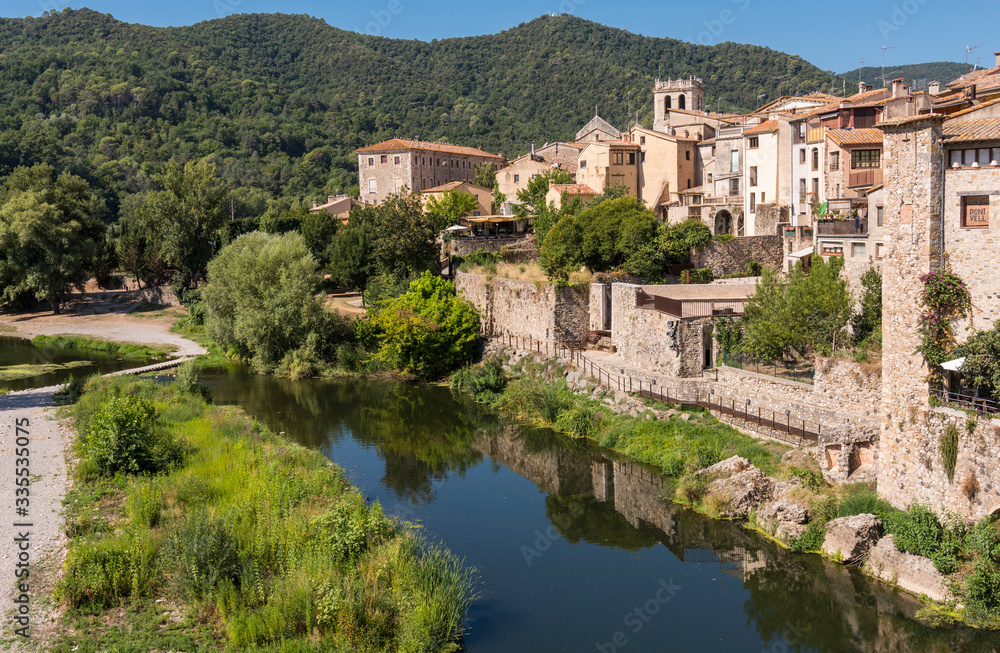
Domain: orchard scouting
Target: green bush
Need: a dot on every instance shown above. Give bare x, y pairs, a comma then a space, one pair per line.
949, 450
123, 438
485, 382
201, 551
187, 381
103, 572
579, 420
919, 532
811, 540
700, 275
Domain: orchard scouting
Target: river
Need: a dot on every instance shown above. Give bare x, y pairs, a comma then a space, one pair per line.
19, 351
576, 548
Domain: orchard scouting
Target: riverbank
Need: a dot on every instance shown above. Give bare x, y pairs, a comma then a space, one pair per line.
247, 541
780, 492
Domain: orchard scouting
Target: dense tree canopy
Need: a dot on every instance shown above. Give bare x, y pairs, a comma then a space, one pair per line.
279, 103
50, 230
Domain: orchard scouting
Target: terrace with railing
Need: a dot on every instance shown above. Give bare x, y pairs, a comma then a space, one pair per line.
845, 228
689, 307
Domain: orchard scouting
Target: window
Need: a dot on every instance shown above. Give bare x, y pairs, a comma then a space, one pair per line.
371, 161
734, 161
689, 183
423, 160
583, 164
371, 186
710, 177
816, 187
802, 137
666, 103
802, 155
762, 200
384, 158
754, 142
832, 249
687, 155
834, 160
616, 157
631, 158
879, 251
753, 175
976, 211
857, 249
734, 186
642, 157
713, 150
879, 214
815, 159
642, 140
681, 100
753, 202
865, 159
802, 189
396, 160
517, 178
983, 156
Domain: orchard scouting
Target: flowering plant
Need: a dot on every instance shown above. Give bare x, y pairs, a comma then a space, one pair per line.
945, 298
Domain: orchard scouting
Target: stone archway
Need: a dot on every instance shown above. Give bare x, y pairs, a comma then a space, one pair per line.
723, 222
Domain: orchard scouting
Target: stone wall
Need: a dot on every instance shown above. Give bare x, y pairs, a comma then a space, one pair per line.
642, 336
732, 257
913, 161
768, 217
462, 246
527, 308
597, 308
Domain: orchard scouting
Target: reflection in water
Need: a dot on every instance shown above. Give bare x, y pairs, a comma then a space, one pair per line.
18, 351
593, 498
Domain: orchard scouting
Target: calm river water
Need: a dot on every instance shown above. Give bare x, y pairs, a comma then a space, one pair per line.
18, 351
577, 551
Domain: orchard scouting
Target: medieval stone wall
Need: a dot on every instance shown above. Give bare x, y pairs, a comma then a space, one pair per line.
526, 308
732, 257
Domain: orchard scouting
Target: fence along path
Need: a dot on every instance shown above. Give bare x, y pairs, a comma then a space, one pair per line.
798, 431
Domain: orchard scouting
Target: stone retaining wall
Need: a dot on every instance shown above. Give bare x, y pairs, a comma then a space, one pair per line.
732, 257
527, 308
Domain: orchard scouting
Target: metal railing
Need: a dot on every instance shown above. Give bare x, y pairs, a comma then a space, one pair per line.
797, 429
981, 405
683, 308
794, 371
849, 227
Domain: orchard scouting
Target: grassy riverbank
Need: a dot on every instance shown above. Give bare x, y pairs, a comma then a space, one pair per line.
690, 439
126, 350
193, 527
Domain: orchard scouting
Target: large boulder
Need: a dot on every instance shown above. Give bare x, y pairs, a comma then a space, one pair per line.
852, 537
742, 492
787, 531
727, 467
911, 572
783, 510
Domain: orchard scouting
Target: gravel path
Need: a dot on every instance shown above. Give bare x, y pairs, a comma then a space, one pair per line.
38, 546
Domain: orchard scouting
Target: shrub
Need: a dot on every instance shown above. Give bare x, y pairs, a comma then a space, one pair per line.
949, 450
485, 382
579, 420
187, 381
700, 275
202, 551
123, 437
919, 532
811, 540
103, 572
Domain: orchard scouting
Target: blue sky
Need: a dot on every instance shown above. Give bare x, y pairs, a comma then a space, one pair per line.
830, 35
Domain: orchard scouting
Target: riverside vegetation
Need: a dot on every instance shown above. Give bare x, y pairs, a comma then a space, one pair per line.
206, 531
969, 555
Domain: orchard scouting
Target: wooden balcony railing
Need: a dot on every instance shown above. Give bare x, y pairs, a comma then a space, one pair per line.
870, 177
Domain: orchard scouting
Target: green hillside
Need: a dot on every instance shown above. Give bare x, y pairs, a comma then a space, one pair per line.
942, 71
279, 102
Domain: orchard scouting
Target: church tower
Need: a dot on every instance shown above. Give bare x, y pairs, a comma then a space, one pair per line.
684, 94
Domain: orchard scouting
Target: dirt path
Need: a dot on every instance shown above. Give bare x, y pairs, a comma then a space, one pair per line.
32, 533
47, 440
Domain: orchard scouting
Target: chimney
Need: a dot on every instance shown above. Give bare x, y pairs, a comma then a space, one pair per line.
899, 89
315, 204
330, 198
863, 88
973, 92
934, 88
532, 150
997, 55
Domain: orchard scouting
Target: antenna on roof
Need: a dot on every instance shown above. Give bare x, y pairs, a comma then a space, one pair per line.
884, 48
968, 49
861, 62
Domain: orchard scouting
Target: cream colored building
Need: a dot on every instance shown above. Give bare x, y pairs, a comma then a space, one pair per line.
606, 163
338, 205
484, 196
668, 165
515, 177
391, 166
598, 129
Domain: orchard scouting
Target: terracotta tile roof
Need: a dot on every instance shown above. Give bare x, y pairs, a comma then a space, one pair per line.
405, 144
895, 122
867, 95
707, 141
855, 136
451, 185
973, 109
573, 189
762, 128
971, 78
972, 130
696, 190
616, 143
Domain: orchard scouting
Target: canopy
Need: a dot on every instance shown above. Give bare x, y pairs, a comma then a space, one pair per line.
802, 253
955, 365
457, 227
493, 219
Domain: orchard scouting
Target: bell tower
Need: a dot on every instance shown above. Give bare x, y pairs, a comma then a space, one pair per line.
684, 94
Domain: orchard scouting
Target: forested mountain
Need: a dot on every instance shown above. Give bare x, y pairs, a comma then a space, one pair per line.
280, 102
942, 71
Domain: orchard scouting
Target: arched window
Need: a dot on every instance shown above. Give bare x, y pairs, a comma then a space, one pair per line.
680, 102
666, 103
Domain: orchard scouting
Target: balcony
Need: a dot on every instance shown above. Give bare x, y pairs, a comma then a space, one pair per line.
843, 228
688, 308
870, 177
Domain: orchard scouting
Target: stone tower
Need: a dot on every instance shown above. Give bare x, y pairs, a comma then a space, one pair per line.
686, 94
913, 164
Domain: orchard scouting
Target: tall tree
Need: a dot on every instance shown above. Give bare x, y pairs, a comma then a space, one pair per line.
50, 228
452, 206
188, 212
486, 176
